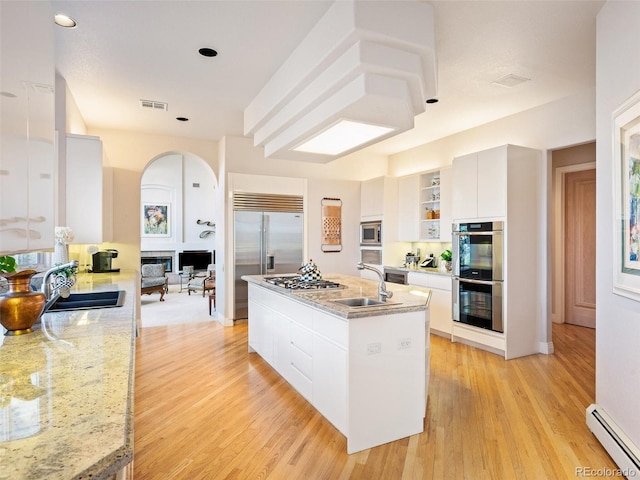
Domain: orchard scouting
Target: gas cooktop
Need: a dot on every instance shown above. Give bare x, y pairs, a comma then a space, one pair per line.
294, 282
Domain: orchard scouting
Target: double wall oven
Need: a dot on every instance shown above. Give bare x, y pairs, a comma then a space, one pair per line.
478, 274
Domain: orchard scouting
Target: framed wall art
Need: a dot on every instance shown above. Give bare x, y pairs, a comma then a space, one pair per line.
626, 189
155, 219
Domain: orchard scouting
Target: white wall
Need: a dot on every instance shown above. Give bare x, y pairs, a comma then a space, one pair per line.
617, 318
129, 153
343, 262
569, 121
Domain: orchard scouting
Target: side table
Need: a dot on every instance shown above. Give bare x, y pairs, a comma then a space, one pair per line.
187, 275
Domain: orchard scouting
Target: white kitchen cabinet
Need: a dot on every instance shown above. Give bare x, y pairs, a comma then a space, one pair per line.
330, 381
27, 132
372, 198
492, 182
509, 187
379, 201
440, 310
88, 190
409, 208
480, 181
464, 195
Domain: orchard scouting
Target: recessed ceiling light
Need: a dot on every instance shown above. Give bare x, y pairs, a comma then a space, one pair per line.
64, 20
182, 119
207, 52
432, 100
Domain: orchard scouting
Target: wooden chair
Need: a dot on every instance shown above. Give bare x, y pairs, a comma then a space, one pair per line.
203, 282
154, 279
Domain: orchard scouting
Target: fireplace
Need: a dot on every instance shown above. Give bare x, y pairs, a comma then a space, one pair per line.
156, 257
199, 259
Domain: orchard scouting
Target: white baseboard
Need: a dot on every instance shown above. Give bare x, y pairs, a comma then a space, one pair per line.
546, 348
615, 441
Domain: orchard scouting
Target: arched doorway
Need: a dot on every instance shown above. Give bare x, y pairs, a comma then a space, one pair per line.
178, 215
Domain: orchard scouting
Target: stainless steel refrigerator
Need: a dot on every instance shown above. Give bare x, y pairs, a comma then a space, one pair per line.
265, 243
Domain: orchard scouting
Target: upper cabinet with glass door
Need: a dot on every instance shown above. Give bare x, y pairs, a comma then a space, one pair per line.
27, 126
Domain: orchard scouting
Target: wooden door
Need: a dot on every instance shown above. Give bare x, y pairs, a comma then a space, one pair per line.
580, 248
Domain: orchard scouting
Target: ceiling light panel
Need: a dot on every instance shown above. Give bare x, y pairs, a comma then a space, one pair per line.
371, 62
342, 137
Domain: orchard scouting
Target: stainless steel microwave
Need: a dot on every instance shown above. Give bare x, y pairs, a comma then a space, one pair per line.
371, 234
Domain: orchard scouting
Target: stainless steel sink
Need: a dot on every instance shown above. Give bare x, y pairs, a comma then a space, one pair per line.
88, 300
361, 302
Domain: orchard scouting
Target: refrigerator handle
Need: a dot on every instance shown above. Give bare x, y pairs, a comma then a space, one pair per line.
263, 269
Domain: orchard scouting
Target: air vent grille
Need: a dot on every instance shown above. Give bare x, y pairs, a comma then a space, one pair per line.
153, 105
268, 202
511, 80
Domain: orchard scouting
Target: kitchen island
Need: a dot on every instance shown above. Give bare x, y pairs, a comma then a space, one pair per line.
365, 369
67, 390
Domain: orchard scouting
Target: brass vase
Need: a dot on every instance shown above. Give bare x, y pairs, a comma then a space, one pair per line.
20, 307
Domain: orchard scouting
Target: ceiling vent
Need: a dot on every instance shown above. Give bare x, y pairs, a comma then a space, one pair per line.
153, 105
511, 80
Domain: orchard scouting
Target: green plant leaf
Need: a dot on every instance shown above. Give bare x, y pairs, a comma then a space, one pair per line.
7, 264
446, 255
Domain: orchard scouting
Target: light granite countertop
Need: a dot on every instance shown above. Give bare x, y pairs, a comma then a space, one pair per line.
433, 271
66, 409
406, 298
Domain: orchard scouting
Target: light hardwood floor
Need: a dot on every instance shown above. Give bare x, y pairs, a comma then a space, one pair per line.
207, 409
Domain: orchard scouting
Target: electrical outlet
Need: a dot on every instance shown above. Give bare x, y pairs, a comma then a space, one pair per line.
404, 343
374, 348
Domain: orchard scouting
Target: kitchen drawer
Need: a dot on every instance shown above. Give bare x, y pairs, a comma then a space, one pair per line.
301, 383
302, 338
301, 362
296, 311
330, 327
441, 282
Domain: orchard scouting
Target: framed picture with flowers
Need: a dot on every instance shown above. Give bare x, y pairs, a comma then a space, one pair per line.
155, 220
626, 190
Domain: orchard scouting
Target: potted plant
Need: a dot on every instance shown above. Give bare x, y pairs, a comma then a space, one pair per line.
65, 277
19, 307
447, 256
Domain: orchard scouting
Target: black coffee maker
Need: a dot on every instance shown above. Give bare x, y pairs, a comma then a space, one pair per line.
102, 261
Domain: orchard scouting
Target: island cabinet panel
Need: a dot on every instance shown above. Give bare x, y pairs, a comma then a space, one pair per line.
367, 375
330, 381
262, 330
386, 374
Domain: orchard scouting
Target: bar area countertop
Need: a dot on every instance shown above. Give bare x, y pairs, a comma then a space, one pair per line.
406, 298
66, 404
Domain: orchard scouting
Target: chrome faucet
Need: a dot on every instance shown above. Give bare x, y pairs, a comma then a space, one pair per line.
46, 286
383, 294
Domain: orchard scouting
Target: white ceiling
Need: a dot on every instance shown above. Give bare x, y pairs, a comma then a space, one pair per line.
124, 51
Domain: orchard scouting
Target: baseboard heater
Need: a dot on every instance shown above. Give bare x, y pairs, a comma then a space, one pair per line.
616, 443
